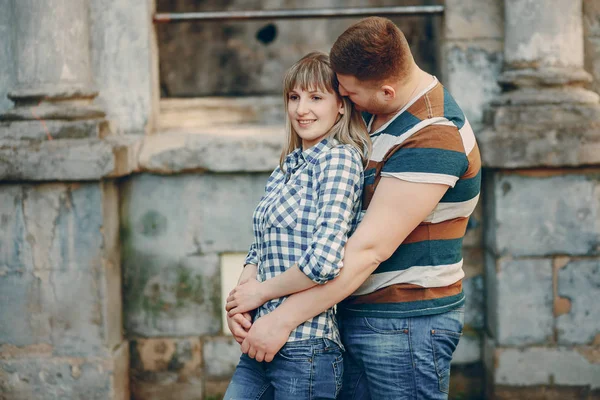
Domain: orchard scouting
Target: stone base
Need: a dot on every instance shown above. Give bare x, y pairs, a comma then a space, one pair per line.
467, 382
166, 368
59, 378
544, 393
541, 135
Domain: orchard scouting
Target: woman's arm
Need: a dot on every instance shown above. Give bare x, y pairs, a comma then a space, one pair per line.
252, 294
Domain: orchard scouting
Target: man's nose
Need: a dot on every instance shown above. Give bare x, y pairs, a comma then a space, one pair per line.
343, 91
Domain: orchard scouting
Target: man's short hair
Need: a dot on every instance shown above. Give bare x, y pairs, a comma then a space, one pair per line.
373, 49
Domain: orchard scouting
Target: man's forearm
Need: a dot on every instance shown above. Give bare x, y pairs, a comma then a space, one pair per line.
300, 307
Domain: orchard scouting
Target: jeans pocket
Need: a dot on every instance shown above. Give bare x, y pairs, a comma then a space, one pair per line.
444, 343
386, 326
296, 353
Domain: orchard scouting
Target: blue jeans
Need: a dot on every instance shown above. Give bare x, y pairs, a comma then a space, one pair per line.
399, 358
306, 369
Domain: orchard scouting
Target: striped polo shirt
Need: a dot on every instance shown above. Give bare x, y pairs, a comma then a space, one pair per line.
428, 141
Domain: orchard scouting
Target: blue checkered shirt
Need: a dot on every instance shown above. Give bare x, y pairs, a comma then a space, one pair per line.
304, 218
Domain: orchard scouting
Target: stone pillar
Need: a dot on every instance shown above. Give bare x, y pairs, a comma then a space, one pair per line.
60, 275
542, 210
52, 52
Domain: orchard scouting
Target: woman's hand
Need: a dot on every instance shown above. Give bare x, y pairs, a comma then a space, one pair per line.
239, 325
245, 297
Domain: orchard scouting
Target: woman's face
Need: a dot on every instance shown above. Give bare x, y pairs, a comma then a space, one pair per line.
312, 114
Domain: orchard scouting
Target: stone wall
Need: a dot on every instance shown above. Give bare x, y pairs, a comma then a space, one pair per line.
117, 219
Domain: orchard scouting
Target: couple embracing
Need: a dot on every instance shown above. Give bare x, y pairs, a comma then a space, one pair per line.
367, 211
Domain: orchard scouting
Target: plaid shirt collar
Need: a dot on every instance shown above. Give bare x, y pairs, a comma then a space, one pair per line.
298, 157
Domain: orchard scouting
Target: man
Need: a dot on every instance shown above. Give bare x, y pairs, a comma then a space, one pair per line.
403, 265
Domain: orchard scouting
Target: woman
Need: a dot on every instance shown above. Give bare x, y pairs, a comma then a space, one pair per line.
301, 225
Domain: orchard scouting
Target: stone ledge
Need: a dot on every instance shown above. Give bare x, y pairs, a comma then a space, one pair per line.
541, 135
207, 112
247, 148
65, 159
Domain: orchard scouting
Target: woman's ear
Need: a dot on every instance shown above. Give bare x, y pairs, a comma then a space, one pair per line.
342, 109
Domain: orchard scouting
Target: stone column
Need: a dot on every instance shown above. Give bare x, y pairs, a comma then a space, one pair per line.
60, 275
542, 210
52, 52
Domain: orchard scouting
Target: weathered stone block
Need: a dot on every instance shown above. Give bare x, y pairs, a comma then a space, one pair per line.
207, 112
532, 215
172, 228
190, 214
544, 135
65, 159
50, 130
545, 366
230, 149
166, 368
168, 296
66, 378
51, 226
121, 59
471, 75
60, 308
553, 392
473, 19
59, 271
544, 38
527, 318
579, 283
221, 356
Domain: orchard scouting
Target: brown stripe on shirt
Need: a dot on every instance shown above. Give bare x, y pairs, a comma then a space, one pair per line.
445, 230
436, 137
405, 292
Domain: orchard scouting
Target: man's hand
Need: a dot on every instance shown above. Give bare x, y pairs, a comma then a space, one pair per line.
245, 297
239, 324
265, 338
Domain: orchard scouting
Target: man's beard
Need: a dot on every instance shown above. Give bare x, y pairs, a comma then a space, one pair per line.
375, 106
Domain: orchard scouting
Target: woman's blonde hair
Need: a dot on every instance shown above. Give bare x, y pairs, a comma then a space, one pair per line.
313, 72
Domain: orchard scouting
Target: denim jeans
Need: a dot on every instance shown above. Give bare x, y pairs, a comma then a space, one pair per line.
399, 358
306, 369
